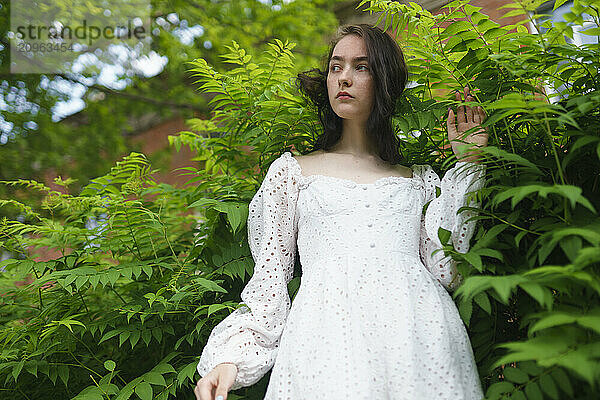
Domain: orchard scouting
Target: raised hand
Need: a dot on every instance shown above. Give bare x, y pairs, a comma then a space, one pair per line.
468, 117
216, 384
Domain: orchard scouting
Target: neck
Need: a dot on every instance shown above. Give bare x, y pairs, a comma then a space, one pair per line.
354, 139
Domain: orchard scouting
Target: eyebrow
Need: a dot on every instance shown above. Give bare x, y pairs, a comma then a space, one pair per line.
355, 59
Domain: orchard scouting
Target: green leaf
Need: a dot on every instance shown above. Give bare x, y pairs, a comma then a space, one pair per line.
444, 235
474, 259
498, 388
144, 391
80, 281
146, 336
110, 365
147, 270
457, 27
134, 338
541, 294
109, 335
517, 194
236, 213
32, 368
157, 333
123, 336
514, 158
483, 301
164, 368
465, 310
533, 391
560, 349
553, 319
548, 386
128, 390
513, 13
113, 276
154, 378
518, 395
591, 31
571, 245
563, 381
209, 285
186, 373
90, 393
17, 369
63, 373
515, 375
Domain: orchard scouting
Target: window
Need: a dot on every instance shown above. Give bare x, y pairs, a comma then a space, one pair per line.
97, 225
562, 14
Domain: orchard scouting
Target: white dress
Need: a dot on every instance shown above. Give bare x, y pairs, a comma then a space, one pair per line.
373, 318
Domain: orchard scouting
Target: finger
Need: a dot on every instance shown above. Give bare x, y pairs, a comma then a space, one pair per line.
197, 392
482, 113
451, 124
461, 110
221, 391
450, 114
477, 116
469, 109
203, 392
451, 121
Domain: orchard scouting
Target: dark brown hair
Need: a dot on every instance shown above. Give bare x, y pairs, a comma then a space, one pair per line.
390, 74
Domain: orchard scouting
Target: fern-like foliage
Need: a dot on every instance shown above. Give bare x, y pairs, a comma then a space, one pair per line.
142, 271
531, 299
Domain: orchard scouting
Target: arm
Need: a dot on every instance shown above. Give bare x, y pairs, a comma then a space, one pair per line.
463, 178
249, 336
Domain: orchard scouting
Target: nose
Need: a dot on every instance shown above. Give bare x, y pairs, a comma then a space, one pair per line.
344, 77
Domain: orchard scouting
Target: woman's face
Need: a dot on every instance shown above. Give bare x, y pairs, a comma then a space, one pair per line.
349, 71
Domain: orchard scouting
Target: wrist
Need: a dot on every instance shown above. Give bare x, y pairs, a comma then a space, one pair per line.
471, 155
232, 363
470, 159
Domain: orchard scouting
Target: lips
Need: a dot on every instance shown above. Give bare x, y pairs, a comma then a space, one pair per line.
343, 94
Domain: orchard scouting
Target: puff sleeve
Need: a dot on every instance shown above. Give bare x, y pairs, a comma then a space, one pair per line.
249, 336
457, 183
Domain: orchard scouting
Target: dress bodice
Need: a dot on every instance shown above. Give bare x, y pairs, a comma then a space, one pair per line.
337, 216
358, 242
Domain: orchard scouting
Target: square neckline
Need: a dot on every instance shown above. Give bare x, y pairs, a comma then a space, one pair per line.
349, 182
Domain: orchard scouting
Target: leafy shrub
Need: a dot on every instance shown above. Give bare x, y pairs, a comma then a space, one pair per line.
531, 296
125, 308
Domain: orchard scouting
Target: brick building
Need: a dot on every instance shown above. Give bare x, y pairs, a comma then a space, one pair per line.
347, 12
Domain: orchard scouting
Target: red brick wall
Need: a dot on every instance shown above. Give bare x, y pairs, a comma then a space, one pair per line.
156, 139
492, 9
150, 141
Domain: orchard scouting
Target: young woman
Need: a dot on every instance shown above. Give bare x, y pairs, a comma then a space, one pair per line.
373, 318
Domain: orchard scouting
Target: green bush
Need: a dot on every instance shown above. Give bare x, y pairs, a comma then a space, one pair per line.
126, 307
531, 296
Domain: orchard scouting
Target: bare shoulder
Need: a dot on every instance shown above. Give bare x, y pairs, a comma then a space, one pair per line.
308, 162
309, 156
402, 170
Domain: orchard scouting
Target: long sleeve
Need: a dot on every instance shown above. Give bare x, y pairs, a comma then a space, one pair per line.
249, 336
457, 183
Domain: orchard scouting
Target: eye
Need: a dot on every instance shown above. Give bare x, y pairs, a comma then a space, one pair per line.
333, 67
362, 65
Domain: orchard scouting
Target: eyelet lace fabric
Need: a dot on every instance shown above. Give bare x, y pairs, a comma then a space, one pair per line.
373, 318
